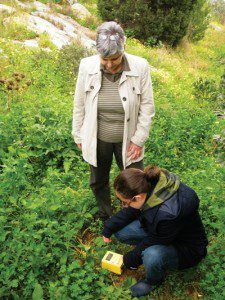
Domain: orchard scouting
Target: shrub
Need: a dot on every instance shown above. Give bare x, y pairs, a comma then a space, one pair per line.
221, 95
68, 62
206, 90
219, 142
16, 82
199, 22
159, 21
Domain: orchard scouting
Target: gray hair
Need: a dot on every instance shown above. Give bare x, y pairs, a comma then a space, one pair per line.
110, 39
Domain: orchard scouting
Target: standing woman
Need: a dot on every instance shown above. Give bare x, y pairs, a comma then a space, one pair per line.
113, 110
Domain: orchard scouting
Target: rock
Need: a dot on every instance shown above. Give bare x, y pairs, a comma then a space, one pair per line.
39, 26
216, 137
70, 28
220, 113
7, 8
71, 2
39, 6
217, 28
56, 35
61, 32
31, 43
81, 29
62, 29
81, 11
22, 5
28, 43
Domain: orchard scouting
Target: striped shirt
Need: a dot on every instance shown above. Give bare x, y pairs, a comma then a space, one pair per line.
110, 108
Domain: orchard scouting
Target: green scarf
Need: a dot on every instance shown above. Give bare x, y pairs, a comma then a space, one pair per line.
167, 185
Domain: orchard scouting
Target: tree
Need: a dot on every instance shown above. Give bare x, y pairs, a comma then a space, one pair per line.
199, 21
155, 20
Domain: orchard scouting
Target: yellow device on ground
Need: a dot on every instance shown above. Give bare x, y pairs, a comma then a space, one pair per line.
113, 262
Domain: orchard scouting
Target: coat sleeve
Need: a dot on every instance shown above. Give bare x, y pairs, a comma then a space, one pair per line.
146, 110
124, 217
166, 233
78, 109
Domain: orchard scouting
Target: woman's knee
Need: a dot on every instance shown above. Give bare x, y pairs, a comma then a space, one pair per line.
130, 234
121, 236
153, 256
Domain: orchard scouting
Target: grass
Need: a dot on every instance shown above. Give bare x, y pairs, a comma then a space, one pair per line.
44, 41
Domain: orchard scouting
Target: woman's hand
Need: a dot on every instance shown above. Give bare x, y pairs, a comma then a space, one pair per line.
79, 146
107, 240
134, 151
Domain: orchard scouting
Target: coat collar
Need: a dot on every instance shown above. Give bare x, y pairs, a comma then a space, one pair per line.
132, 72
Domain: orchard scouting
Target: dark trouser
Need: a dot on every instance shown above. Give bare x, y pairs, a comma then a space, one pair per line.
99, 178
156, 258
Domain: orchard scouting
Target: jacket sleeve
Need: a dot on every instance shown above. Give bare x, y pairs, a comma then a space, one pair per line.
146, 110
78, 109
166, 233
124, 217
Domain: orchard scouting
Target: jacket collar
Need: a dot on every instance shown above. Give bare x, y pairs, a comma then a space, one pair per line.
132, 72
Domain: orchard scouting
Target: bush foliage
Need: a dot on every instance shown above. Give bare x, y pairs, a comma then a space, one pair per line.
155, 21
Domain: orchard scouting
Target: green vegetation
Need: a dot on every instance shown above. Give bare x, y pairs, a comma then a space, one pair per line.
218, 7
199, 21
16, 31
164, 21
44, 41
50, 246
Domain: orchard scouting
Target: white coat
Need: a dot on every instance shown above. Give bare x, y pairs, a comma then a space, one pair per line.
135, 89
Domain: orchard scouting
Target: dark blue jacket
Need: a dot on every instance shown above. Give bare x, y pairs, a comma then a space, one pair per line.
176, 221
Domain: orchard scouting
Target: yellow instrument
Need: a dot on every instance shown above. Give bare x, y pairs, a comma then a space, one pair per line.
113, 262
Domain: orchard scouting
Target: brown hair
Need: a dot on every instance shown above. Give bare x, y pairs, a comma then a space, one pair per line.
131, 182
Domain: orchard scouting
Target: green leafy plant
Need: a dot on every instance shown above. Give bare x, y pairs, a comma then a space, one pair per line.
16, 82
157, 21
205, 90
18, 31
45, 41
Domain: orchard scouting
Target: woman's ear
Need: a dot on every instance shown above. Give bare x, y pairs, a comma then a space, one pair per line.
137, 198
140, 197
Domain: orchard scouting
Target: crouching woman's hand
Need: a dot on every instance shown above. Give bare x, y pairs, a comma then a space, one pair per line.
107, 240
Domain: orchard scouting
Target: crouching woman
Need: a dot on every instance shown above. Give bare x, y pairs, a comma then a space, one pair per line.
160, 216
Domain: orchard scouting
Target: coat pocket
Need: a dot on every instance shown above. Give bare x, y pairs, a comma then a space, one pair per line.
136, 95
90, 90
136, 85
136, 89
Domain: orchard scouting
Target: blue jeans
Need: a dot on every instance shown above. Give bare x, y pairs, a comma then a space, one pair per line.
156, 259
